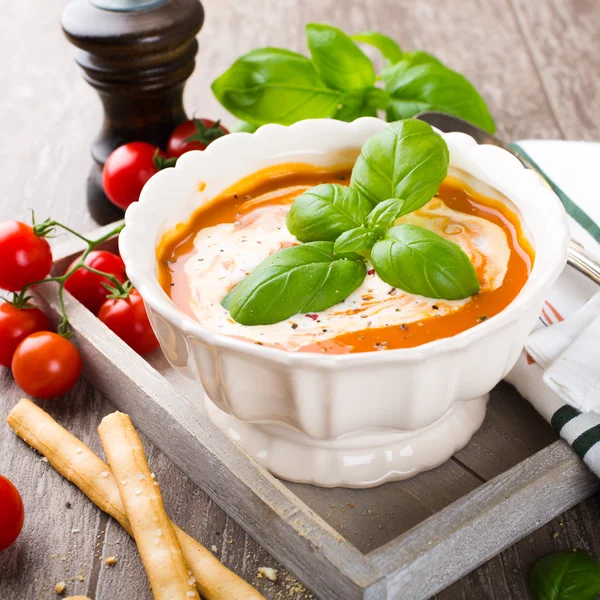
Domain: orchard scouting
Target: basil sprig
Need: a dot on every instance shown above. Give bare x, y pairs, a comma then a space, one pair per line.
272, 85
399, 170
566, 576
301, 279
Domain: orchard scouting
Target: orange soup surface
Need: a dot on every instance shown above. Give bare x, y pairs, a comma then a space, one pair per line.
202, 259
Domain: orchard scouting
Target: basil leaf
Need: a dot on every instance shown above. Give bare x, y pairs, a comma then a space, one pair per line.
422, 86
325, 211
341, 64
300, 279
271, 85
566, 576
383, 216
356, 104
354, 240
406, 160
420, 57
421, 262
243, 126
386, 45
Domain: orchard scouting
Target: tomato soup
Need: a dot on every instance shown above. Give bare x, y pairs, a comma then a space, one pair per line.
201, 260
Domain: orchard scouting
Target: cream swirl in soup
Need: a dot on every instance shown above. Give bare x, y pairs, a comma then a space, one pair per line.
232, 235
226, 253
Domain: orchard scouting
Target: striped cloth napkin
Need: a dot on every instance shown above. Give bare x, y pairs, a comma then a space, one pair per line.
559, 369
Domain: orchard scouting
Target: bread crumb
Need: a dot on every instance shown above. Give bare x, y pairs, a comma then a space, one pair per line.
214, 548
60, 587
268, 572
111, 561
80, 578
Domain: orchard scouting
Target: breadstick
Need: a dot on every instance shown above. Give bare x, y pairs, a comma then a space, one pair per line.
77, 463
152, 531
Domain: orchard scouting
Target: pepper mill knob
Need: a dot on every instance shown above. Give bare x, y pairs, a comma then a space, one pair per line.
137, 54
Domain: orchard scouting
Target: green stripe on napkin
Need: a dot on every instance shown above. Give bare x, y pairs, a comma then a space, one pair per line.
586, 440
573, 210
562, 416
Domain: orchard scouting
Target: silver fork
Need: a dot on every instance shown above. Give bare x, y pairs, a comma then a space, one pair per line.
577, 256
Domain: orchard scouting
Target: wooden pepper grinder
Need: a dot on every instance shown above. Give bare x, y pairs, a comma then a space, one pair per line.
138, 55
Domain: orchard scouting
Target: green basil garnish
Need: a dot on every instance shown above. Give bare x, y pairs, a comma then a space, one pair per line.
429, 85
354, 105
386, 45
419, 57
566, 576
325, 211
243, 126
271, 85
406, 160
274, 86
398, 171
341, 64
383, 216
354, 240
421, 262
301, 279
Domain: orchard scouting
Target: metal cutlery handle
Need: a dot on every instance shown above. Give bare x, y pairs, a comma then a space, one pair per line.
583, 261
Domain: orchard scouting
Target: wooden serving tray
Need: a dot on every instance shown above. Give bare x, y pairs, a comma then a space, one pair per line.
407, 539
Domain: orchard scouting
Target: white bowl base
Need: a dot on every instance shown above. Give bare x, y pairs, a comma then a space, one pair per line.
360, 460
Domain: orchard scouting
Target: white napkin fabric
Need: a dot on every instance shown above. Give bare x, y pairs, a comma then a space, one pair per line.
559, 369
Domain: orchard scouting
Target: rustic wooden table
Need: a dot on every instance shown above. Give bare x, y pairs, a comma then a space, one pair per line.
536, 63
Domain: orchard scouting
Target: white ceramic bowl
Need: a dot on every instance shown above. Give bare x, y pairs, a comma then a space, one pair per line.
323, 397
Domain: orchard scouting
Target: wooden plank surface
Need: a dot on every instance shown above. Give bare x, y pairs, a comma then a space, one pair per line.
536, 64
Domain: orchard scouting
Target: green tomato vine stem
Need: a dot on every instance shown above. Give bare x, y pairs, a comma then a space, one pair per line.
45, 229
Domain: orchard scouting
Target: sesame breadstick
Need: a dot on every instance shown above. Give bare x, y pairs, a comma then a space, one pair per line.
77, 463
153, 533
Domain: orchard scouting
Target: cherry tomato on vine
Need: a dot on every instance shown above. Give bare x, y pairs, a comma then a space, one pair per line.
24, 256
46, 365
15, 325
127, 318
87, 286
12, 513
127, 170
194, 135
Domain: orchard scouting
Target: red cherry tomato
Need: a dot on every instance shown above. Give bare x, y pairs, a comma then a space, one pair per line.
46, 365
15, 325
194, 135
127, 170
129, 320
24, 256
12, 513
87, 286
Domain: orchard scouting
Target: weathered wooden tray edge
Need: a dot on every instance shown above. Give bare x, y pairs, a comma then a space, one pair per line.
417, 564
